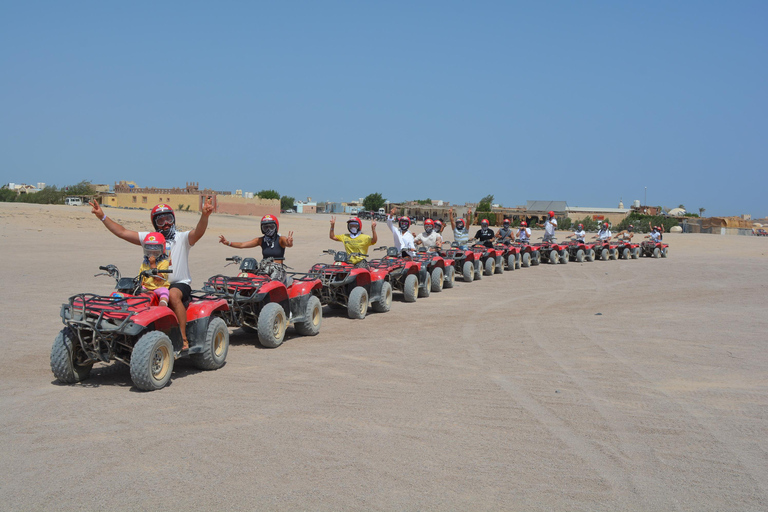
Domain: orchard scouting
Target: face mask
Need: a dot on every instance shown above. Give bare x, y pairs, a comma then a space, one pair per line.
353, 228
460, 224
403, 227
169, 233
428, 229
269, 230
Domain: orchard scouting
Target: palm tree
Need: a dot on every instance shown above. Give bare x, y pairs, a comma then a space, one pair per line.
701, 211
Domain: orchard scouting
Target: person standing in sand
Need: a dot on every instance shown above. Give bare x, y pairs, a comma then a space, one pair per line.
178, 245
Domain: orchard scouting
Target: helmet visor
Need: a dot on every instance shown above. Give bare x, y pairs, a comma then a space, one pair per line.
353, 227
164, 220
269, 228
155, 250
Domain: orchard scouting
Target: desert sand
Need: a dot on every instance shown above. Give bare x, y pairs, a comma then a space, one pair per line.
619, 385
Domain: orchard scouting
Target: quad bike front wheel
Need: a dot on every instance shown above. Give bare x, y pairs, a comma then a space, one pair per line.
564, 256
426, 288
313, 317
499, 264
450, 276
526, 259
358, 303
656, 253
580, 256
478, 270
152, 361
625, 253
271, 325
553, 257
215, 347
67, 360
385, 299
490, 266
511, 262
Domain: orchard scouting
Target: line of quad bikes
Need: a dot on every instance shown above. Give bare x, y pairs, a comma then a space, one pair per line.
264, 299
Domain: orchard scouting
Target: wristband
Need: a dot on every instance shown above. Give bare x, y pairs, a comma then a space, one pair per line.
230, 244
104, 218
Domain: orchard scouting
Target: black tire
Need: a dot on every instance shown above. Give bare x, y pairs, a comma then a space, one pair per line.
411, 288
664, 252
490, 266
625, 253
215, 347
152, 361
478, 270
358, 303
63, 356
553, 257
384, 303
499, 264
604, 254
635, 253
511, 261
271, 326
450, 277
313, 317
536, 258
564, 256
468, 271
580, 256
526, 259
517, 261
591, 255
426, 288
656, 252
437, 279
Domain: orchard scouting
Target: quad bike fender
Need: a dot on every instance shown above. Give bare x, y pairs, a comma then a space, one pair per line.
448, 262
299, 289
412, 267
275, 290
362, 277
378, 276
205, 308
163, 318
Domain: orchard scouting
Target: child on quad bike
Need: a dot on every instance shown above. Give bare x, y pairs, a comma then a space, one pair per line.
460, 229
177, 244
272, 243
579, 233
549, 227
404, 241
485, 235
505, 232
604, 235
155, 258
524, 233
430, 238
356, 241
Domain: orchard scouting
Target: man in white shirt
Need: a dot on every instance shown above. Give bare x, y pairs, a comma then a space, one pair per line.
579, 233
430, 238
177, 246
524, 233
604, 234
403, 238
549, 228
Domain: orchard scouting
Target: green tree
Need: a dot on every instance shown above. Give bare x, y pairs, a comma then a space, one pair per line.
565, 224
484, 210
373, 202
427, 201
268, 194
287, 202
701, 211
84, 188
7, 195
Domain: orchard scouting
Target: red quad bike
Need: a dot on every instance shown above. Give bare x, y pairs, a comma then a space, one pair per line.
626, 249
486, 259
441, 270
260, 302
463, 261
579, 251
348, 286
510, 255
605, 250
529, 254
651, 249
409, 277
130, 327
552, 252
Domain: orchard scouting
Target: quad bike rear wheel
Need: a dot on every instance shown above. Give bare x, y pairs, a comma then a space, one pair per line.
604, 255
490, 266
357, 307
450, 276
499, 264
511, 261
65, 354
656, 252
625, 253
478, 270
411, 288
384, 303
152, 361
564, 256
313, 317
614, 254
426, 288
468, 271
526, 259
271, 325
536, 258
553, 257
437, 279
580, 256
215, 346
664, 252
635, 253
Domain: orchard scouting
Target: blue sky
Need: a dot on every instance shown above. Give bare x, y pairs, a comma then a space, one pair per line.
586, 102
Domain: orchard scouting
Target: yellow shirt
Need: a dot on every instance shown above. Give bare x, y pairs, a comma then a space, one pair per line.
360, 244
152, 282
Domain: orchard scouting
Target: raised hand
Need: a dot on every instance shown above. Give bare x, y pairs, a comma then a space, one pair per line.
208, 207
289, 238
333, 221
223, 240
373, 225
96, 209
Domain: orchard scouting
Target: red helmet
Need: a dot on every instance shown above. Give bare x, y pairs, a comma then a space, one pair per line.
401, 220
551, 214
438, 222
352, 220
581, 226
506, 222
484, 222
269, 219
605, 225
524, 224
162, 213
429, 222
154, 244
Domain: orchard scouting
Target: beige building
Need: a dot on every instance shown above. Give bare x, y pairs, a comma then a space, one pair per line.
190, 198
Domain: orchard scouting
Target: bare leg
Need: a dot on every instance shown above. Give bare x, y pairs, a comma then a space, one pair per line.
181, 314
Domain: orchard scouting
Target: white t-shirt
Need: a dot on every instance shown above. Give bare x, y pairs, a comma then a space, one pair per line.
603, 234
655, 236
549, 227
524, 234
403, 241
178, 249
430, 240
580, 235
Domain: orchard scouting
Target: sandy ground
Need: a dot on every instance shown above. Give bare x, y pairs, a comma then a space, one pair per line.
511, 393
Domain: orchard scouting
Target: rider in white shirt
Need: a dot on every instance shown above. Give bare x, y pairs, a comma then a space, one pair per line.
605, 233
579, 233
403, 238
524, 233
549, 228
